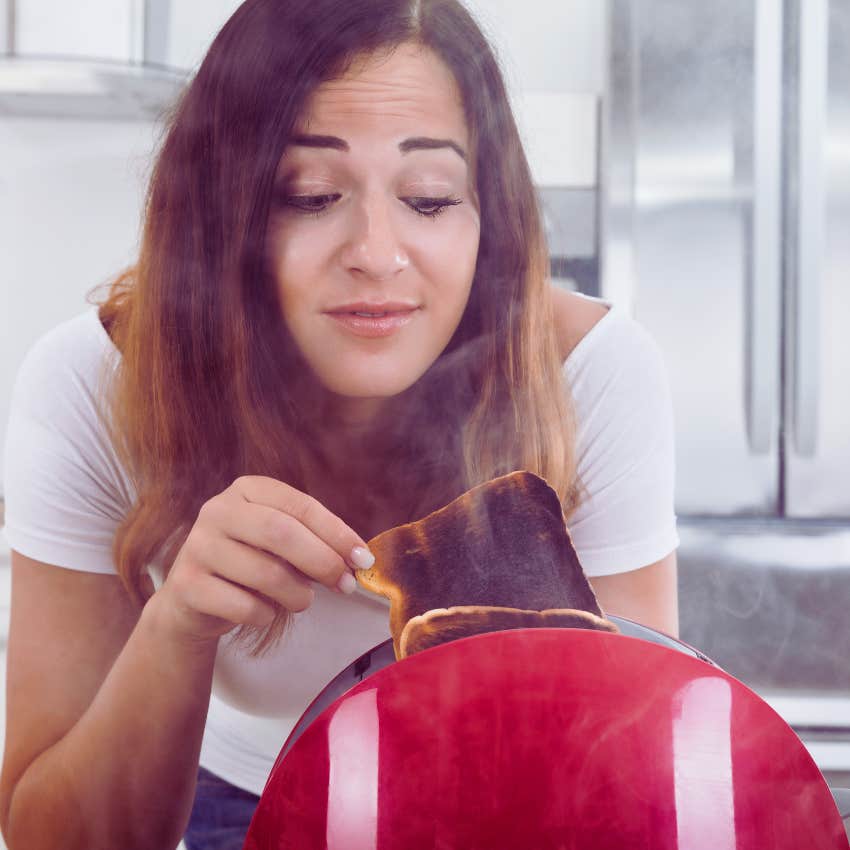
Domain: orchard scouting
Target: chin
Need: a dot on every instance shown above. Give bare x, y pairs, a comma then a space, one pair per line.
371, 383
368, 389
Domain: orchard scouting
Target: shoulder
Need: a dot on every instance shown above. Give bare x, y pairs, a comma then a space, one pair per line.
616, 375
65, 488
625, 447
603, 345
61, 363
574, 317
56, 407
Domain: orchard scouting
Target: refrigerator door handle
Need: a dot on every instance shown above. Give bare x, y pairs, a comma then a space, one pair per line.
762, 367
804, 320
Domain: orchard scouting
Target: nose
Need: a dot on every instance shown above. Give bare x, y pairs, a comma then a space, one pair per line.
374, 247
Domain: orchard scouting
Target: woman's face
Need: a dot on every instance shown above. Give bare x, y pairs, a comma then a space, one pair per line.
375, 213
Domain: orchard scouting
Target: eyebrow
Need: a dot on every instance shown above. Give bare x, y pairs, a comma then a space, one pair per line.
414, 144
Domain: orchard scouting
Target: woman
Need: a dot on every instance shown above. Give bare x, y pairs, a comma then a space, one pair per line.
339, 321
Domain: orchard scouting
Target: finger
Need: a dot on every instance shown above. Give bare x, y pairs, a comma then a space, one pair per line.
311, 513
280, 535
262, 573
217, 597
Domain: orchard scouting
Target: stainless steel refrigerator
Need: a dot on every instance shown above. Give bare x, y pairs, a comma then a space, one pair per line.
724, 225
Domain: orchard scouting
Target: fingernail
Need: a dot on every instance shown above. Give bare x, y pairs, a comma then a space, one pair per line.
347, 583
362, 558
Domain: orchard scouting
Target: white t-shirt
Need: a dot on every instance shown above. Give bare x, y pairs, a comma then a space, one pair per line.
66, 493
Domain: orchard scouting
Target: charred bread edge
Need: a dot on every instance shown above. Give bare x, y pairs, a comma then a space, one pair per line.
413, 623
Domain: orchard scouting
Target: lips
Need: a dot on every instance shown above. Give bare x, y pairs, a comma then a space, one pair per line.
373, 320
373, 308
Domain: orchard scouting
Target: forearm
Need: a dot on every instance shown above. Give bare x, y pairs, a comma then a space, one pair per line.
648, 595
124, 775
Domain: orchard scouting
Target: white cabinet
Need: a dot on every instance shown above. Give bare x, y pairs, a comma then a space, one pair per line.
84, 29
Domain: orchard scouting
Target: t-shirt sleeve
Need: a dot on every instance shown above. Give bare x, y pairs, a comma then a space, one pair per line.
63, 501
625, 450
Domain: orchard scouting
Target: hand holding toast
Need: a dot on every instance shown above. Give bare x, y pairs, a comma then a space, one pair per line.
258, 545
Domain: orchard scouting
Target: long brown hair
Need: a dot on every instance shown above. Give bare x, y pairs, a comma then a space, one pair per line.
200, 394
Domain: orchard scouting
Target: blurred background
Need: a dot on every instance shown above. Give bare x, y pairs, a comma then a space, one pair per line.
693, 163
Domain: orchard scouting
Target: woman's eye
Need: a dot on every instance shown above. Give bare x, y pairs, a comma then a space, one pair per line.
317, 204
313, 204
432, 207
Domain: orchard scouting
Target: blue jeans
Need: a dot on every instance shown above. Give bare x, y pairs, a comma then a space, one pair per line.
220, 815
